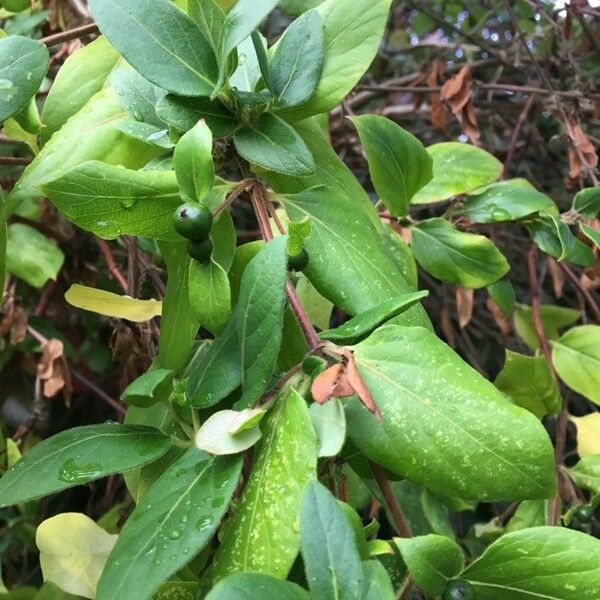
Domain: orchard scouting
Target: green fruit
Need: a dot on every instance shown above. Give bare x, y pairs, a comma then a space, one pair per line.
459, 590
584, 513
298, 262
200, 250
193, 221
15, 6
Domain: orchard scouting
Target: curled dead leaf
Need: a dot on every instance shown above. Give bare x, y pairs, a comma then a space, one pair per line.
360, 387
464, 306
456, 92
331, 383
437, 116
582, 154
52, 369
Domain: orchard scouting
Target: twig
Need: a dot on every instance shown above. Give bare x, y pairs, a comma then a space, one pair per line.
14, 160
585, 292
113, 269
243, 186
71, 34
100, 393
515, 135
400, 521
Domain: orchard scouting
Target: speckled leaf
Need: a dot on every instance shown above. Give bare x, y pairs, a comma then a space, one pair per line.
252, 586
176, 518
527, 381
469, 260
457, 169
550, 563
445, 426
329, 551
431, 560
576, 356
80, 455
262, 534
347, 264
111, 201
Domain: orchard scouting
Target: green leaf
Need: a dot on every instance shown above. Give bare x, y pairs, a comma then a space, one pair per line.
503, 294
353, 32
553, 318
552, 563
358, 328
160, 42
248, 71
111, 201
209, 17
552, 235
31, 256
576, 357
272, 144
317, 307
345, 248
149, 388
177, 518
249, 586
82, 75
297, 7
230, 431
23, 65
466, 259
329, 423
78, 456
146, 133
297, 63
401, 255
531, 513
457, 169
193, 162
262, 534
94, 132
432, 560
590, 233
398, 162
223, 232
73, 552
587, 202
509, 200
329, 551
210, 296
376, 583
586, 473
260, 317
527, 381
183, 113
444, 426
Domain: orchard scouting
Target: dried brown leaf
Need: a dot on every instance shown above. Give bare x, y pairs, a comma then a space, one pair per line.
582, 154
456, 92
464, 306
331, 383
356, 381
503, 322
557, 277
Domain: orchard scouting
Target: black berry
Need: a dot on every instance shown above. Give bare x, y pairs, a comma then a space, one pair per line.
584, 513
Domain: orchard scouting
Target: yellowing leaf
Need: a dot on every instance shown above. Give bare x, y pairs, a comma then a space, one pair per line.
588, 434
112, 305
73, 550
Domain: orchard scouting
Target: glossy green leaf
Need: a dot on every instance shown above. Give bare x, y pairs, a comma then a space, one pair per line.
250, 586
297, 63
262, 534
466, 259
509, 200
272, 144
576, 357
210, 296
317, 307
176, 518
353, 32
329, 551
149, 388
586, 473
401, 255
552, 235
527, 381
329, 423
209, 17
193, 162
552, 563
432, 560
587, 202
553, 318
31, 256
94, 132
73, 552
343, 249
146, 133
248, 72
77, 456
376, 583
503, 294
530, 513
457, 169
82, 75
143, 33
23, 65
260, 317
590, 233
359, 327
111, 201
297, 7
223, 233
398, 162
230, 431
183, 113
463, 438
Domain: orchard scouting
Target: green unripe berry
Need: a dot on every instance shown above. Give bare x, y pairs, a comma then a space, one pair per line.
193, 221
459, 590
200, 250
298, 262
584, 513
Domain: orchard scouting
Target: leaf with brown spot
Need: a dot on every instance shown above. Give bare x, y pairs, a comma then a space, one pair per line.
360, 387
464, 305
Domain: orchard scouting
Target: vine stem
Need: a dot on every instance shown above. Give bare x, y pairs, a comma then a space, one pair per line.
563, 416
383, 482
71, 34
